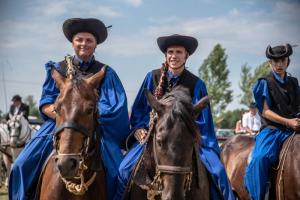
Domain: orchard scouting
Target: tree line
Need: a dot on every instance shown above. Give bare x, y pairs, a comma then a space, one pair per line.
214, 72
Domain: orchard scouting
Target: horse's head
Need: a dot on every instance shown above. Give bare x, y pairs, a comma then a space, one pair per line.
175, 134
14, 124
76, 120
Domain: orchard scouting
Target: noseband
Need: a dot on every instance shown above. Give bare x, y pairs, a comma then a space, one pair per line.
82, 187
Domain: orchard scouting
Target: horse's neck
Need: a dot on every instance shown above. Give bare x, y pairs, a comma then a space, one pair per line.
4, 134
25, 128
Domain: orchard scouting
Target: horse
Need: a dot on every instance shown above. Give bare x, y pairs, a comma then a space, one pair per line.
170, 167
14, 135
74, 170
285, 181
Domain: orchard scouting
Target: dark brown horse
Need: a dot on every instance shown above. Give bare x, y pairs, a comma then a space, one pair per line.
170, 168
285, 177
73, 171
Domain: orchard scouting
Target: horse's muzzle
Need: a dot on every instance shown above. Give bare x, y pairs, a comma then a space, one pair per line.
67, 165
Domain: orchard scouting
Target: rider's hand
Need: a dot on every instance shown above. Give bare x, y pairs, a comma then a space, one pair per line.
293, 123
140, 134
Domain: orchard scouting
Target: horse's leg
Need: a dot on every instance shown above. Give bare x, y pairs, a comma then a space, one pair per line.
2, 170
8, 164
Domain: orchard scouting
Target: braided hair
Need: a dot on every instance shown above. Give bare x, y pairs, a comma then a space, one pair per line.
163, 82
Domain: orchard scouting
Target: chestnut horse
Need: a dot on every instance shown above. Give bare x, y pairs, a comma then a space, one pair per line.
285, 177
72, 171
170, 168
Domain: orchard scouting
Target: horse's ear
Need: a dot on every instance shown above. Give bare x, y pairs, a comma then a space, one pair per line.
154, 103
96, 79
200, 105
59, 79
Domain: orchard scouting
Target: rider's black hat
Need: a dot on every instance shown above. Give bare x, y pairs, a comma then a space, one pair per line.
91, 25
188, 42
278, 52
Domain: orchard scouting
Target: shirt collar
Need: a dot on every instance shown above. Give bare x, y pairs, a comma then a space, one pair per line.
83, 65
279, 79
172, 76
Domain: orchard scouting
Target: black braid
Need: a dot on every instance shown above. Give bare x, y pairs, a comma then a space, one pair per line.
163, 82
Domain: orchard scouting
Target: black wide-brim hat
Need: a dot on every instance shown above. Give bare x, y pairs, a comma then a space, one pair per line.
278, 52
188, 42
90, 25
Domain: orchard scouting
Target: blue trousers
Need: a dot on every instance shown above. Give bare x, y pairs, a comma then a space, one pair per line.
208, 156
265, 154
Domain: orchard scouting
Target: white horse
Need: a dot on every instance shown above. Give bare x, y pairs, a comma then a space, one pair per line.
14, 136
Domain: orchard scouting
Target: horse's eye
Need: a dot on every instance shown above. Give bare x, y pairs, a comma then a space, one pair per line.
57, 110
159, 142
89, 110
160, 129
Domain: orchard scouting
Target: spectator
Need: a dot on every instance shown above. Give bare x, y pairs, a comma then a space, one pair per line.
251, 120
17, 107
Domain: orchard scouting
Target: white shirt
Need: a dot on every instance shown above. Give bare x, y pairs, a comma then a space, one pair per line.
253, 122
16, 110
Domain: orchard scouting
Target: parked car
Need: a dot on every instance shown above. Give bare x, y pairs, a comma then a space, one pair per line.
224, 134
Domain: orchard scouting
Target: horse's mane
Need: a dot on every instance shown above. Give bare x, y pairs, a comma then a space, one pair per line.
181, 107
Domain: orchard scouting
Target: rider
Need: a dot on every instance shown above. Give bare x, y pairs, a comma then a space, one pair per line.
17, 107
251, 120
176, 48
278, 99
85, 35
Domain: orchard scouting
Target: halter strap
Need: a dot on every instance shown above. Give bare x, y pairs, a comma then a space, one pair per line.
73, 125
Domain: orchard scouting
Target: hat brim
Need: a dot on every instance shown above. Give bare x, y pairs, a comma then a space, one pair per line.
188, 42
91, 25
279, 51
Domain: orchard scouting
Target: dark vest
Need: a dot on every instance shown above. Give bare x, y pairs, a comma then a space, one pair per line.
93, 68
285, 100
186, 79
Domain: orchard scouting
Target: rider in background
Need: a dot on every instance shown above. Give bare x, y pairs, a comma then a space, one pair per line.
251, 120
277, 96
176, 49
85, 35
17, 107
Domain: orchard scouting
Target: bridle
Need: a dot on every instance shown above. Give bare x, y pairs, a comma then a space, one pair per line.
156, 186
16, 130
82, 187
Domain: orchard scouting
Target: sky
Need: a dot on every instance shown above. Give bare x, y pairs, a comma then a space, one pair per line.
31, 35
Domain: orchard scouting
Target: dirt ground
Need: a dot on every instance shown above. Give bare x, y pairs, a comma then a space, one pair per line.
3, 194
